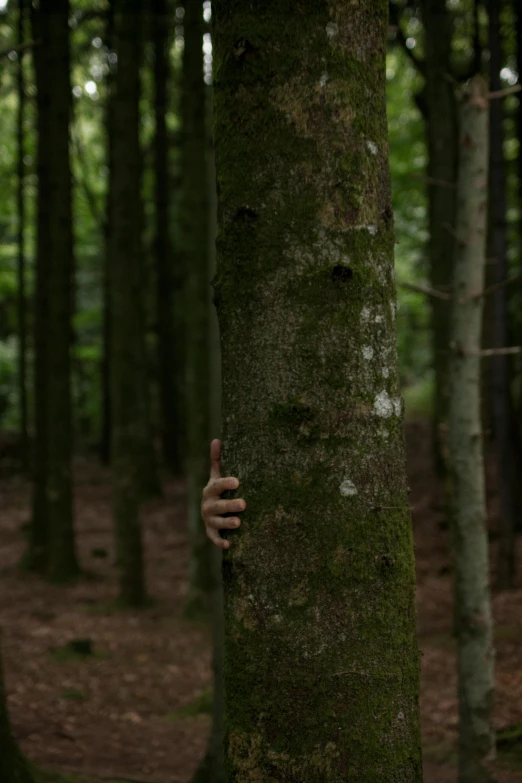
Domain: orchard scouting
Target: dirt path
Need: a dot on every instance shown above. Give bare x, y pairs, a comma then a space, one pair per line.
125, 711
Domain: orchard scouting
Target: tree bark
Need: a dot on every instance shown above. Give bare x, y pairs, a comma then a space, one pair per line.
128, 414
442, 142
21, 276
52, 535
501, 403
13, 767
198, 292
321, 661
473, 605
211, 769
168, 339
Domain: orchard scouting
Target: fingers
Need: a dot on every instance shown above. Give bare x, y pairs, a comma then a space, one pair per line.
217, 507
215, 459
217, 486
223, 523
216, 539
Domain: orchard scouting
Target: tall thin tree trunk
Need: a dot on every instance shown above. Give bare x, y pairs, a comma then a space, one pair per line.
472, 596
198, 292
168, 339
211, 769
52, 535
13, 767
321, 660
501, 404
21, 287
442, 142
105, 439
128, 415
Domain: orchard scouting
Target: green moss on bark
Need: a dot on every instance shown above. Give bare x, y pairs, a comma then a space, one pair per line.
321, 663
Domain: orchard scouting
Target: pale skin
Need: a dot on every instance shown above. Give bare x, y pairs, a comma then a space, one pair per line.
212, 504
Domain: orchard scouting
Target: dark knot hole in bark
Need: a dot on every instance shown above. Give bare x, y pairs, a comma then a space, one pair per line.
341, 274
246, 215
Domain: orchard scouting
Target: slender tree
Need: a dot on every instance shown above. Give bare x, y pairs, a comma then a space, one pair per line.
128, 414
21, 276
198, 291
168, 338
321, 660
52, 533
13, 766
442, 143
105, 439
473, 605
211, 768
501, 403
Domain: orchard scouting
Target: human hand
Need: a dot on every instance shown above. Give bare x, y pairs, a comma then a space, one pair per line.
213, 506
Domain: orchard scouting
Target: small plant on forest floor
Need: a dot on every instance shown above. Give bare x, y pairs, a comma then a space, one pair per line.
202, 705
74, 695
77, 650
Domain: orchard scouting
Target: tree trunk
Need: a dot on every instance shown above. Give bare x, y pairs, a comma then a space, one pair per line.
473, 606
21, 287
168, 339
442, 142
13, 767
321, 661
128, 414
211, 769
105, 439
53, 533
198, 291
501, 404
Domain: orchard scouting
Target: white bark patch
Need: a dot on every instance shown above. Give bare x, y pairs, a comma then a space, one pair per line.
372, 146
385, 372
347, 488
378, 319
386, 406
393, 308
370, 229
323, 79
332, 29
365, 314
367, 352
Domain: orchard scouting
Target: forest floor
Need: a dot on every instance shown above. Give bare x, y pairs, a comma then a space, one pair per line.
102, 694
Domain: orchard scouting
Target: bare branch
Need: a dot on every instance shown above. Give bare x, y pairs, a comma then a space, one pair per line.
424, 289
442, 183
490, 289
501, 351
502, 93
19, 48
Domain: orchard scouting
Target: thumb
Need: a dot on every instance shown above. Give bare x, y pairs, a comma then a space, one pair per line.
215, 459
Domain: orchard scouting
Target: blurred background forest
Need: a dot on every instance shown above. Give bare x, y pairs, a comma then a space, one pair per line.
107, 231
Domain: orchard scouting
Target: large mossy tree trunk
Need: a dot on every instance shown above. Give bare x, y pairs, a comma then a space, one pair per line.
472, 595
501, 403
20, 268
167, 337
13, 766
442, 144
321, 661
128, 413
195, 219
52, 534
